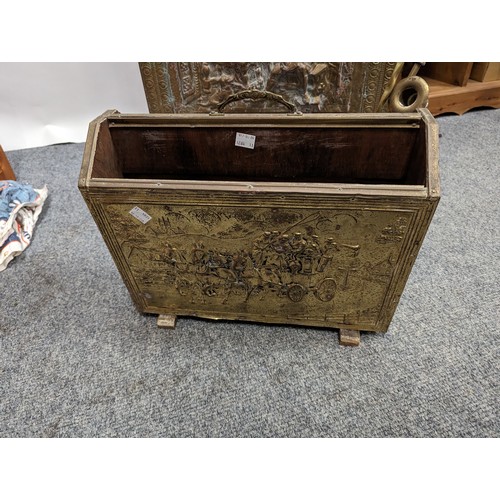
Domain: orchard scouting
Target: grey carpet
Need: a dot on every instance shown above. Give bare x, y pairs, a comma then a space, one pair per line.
77, 360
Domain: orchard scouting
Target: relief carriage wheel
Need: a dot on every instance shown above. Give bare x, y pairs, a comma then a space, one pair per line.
296, 292
325, 290
183, 286
239, 288
209, 290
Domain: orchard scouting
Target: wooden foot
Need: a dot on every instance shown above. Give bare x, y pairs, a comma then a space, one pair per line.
166, 321
349, 337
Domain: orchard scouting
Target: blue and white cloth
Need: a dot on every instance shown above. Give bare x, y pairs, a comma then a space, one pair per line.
20, 206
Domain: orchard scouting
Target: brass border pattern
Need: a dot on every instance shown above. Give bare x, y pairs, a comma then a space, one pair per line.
379, 76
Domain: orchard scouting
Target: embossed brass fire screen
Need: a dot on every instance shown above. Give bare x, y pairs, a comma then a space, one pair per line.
318, 224
314, 87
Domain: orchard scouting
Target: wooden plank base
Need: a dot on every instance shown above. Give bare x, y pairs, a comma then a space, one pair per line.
350, 338
166, 321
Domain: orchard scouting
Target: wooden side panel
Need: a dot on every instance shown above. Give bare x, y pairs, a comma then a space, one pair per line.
454, 73
91, 146
486, 71
105, 158
6, 172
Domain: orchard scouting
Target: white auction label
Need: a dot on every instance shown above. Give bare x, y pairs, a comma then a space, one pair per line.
140, 215
245, 140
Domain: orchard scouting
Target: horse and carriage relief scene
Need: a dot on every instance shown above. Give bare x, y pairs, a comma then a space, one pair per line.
218, 256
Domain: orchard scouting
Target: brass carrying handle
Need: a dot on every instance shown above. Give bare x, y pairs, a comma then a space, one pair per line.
255, 94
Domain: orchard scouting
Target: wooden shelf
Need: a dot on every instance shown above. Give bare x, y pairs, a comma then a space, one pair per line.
447, 98
451, 90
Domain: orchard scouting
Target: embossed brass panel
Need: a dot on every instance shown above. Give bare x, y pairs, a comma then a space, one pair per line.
327, 253
330, 87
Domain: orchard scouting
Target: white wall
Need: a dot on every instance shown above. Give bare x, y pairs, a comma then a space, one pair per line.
50, 103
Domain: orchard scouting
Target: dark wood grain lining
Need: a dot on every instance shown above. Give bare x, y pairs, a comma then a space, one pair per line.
385, 155
106, 158
416, 171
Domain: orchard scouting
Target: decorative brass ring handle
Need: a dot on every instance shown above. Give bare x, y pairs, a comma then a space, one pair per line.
409, 94
258, 94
